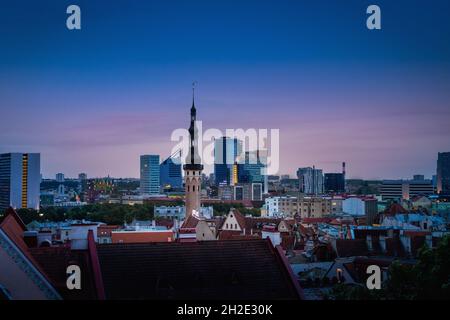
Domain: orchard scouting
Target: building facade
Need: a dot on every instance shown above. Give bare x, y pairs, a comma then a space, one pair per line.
226, 152
443, 173
252, 168
170, 174
405, 189
59, 177
310, 180
20, 180
149, 183
334, 183
281, 206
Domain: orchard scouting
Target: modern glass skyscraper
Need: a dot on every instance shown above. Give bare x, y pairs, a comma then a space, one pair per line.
334, 182
20, 177
443, 173
311, 180
170, 174
149, 174
226, 152
252, 169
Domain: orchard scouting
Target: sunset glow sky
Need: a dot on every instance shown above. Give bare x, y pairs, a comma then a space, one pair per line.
94, 100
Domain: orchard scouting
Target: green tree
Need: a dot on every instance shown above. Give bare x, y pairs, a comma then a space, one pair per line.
429, 278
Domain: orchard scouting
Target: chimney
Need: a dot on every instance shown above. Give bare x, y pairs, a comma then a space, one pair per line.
343, 168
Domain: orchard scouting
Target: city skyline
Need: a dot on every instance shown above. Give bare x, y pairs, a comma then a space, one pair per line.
95, 100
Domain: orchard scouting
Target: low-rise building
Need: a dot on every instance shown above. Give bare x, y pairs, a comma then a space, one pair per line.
281, 206
104, 233
143, 235
361, 206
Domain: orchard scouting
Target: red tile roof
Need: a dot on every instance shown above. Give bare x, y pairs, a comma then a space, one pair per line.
190, 222
394, 209
315, 220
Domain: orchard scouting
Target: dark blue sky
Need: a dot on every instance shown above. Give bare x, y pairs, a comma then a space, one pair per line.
93, 100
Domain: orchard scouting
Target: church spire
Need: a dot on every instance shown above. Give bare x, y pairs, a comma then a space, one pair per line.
193, 167
193, 110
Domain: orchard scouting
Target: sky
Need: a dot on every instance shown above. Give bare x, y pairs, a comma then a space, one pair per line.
93, 100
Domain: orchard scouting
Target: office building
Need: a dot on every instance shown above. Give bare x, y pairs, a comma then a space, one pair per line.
170, 174
252, 168
405, 189
443, 173
226, 153
310, 180
334, 183
59, 177
20, 180
257, 191
149, 174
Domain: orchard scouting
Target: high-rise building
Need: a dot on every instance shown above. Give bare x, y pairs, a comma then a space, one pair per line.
257, 191
226, 152
193, 167
310, 180
170, 174
20, 180
443, 173
334, 182
149, 174
59, 177
252, 169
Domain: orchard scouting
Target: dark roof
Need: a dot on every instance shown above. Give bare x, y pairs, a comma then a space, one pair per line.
55, 260
351, 247
395, 208
190, 222
250, 269
236, 235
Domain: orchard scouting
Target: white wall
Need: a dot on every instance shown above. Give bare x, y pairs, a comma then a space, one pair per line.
78, 235
273, 236
353, 206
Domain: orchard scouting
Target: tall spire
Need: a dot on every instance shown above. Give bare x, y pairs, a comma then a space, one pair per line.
193, 94
193, 158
